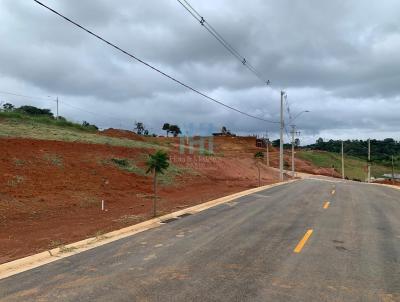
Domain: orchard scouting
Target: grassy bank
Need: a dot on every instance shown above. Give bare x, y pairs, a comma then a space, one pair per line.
44, 128
355, 168
16, 116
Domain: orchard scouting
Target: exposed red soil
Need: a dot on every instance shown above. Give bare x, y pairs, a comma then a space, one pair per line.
307, 167
52, 190
388, 182
121, 134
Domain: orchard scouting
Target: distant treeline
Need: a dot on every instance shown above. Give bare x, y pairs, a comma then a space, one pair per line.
381, 150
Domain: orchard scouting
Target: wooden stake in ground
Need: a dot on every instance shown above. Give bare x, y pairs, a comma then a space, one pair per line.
156, 163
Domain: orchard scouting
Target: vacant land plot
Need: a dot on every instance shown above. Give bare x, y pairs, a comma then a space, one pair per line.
52, 189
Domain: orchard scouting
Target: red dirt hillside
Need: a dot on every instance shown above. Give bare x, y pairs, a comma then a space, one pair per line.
53, 185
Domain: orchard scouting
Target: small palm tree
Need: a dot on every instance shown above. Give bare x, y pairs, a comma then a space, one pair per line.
259, 156
156, 163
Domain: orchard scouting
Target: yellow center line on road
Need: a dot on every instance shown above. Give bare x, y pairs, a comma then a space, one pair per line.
326, 204
303, 241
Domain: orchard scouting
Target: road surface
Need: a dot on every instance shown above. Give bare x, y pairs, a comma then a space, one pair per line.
311, 240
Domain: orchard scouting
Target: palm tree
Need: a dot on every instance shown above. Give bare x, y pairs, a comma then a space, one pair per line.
156, 163
259, 156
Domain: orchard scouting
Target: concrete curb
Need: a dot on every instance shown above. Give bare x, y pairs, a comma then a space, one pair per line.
27, 263
386, 185
331, 179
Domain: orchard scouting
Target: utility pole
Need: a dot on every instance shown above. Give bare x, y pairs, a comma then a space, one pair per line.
267, 141
293, 133
369, 160
57, 107
343, 177
392, 169
281, 140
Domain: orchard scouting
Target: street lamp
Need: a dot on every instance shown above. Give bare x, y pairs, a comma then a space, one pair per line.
297, 115
293, 134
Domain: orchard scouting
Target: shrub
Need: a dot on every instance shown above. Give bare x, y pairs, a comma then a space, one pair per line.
122, 162
31, 110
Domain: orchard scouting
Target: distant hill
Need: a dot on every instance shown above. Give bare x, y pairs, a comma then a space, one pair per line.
381, 150
355, 167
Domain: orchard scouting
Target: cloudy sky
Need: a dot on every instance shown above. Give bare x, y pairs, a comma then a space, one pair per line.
338, 59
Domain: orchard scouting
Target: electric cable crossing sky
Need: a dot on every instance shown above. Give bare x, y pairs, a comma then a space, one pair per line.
152, 67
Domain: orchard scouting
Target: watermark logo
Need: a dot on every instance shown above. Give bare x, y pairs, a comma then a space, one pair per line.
203, 145
196, 146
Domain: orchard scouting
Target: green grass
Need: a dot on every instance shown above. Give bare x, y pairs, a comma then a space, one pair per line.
54, 159
207, 153
355, 168
169, 176
44, 119
128, 166
166, 179
31, 128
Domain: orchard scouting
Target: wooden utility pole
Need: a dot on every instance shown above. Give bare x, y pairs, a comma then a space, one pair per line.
267, 141
293, 134
57, 107
281, 139
369, 160
393, 169
343, 177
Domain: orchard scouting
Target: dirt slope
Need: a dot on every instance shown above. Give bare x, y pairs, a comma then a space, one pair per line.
52, 190
53, 185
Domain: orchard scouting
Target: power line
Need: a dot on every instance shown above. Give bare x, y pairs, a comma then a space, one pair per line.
287, 133
25, 96
288, 109
64, 103
195, 14
150, 66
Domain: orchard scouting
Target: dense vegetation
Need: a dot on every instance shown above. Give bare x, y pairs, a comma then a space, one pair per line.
381, 150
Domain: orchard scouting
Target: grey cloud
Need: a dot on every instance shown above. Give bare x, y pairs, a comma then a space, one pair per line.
338, 59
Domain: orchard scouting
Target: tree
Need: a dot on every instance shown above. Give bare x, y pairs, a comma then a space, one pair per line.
32, 110
276, 143
225, 131
259, 157
166, 128
156, 163
61, 118
8, 107
139, 127
297, 142
175, 130
87, 125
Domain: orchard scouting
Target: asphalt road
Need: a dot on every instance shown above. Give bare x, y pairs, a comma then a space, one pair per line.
243, 251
